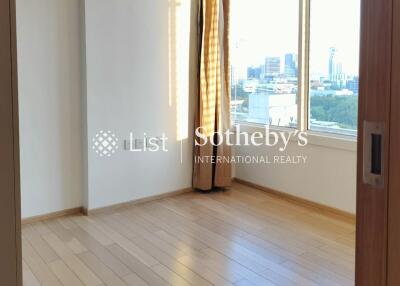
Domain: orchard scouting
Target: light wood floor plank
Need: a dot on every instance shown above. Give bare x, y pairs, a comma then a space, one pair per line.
93, 230
136, 266
170, 276
246, 273
241, 237
315, 276
101, 270
170, 231
244, 282
171, 262
28, 276
104, 255
64, 274
39, 268
72, 261
204, 271
111, 231
37, 242
134, 280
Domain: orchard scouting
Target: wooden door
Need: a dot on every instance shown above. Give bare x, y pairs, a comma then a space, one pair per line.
378, 200
394, 165
10, 245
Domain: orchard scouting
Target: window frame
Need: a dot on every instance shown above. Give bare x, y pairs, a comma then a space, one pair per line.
303, 107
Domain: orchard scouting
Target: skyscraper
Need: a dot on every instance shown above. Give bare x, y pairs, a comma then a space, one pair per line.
353, 84
254, 72
272, 66
291, 65
335, 66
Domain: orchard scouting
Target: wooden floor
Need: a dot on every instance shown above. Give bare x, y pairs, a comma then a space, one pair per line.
238, 237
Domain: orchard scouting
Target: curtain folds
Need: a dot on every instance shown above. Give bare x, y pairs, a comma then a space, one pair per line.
213, 102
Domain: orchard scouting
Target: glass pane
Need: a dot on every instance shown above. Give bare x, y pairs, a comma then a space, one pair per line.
264, 45
334, 61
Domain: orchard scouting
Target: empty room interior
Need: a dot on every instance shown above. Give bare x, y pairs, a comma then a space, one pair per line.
189, 142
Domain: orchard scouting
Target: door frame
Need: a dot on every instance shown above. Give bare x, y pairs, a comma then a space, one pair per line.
378, 206
10, 220
393, 274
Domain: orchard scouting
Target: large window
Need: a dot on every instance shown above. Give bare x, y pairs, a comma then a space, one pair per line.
270, 57
334, 54
264, 43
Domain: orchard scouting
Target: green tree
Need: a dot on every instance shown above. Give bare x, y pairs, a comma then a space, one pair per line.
339, 109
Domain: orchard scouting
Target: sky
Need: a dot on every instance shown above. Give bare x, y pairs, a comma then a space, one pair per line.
263, 28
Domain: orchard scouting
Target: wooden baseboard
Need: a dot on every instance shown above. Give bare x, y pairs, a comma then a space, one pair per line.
135, 202
82, 210
53, 215
324, 209
333, 212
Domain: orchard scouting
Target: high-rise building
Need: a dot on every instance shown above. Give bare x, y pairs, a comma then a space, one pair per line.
332, 63
352, 85
336, 74
291, 65
335, 66
254, 72
272, 66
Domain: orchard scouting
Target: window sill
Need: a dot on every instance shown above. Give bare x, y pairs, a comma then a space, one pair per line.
327, 140
335, 141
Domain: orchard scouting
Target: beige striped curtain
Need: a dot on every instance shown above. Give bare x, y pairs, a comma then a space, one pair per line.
213, 102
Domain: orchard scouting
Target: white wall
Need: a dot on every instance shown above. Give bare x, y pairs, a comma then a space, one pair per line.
328, 177
48, 34
126, 50
132, 46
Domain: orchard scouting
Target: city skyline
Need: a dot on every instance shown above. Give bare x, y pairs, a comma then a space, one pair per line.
264, 41
287, 64
265, 32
